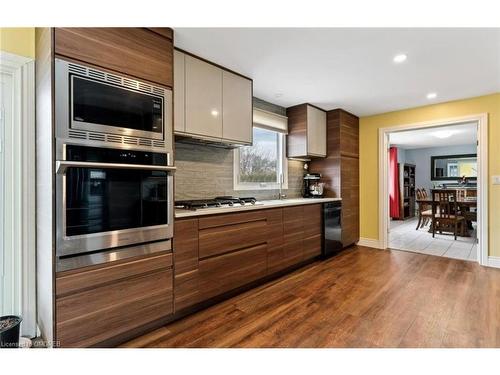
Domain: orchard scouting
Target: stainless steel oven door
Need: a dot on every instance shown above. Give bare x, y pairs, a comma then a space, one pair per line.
103, 205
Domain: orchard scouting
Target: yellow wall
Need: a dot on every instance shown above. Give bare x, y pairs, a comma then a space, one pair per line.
18, 40
368, 138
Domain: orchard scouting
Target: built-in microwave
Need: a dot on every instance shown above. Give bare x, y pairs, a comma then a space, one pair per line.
103, 107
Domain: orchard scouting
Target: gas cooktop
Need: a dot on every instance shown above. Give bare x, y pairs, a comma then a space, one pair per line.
225, 201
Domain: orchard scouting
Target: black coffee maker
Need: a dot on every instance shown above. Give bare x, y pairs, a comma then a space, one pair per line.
313, 188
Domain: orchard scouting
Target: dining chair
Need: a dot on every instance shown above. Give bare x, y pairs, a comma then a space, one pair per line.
445, 212
424, 209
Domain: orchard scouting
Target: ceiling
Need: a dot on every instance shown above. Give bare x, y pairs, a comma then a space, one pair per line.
462, 134
353, 68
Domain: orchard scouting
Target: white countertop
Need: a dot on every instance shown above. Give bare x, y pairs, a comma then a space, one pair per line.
180, 213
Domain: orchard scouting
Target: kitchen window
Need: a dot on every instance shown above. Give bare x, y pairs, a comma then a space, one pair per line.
262, 165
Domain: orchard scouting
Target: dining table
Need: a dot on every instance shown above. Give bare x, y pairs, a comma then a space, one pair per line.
465, 205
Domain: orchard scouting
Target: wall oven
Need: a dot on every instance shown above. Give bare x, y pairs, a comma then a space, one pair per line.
111, 198
113, 166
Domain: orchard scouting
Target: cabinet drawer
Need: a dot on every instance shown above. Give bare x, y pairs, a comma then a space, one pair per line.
92, 316
229, 271
293, 252
312, 220
187, 291
74, 281
222, 234
312, 247
134, 51
274, 227
293, 224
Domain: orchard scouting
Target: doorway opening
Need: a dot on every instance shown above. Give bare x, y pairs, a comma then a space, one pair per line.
433, 188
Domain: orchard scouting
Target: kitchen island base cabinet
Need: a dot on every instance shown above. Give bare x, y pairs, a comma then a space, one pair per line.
230, 251
100, 303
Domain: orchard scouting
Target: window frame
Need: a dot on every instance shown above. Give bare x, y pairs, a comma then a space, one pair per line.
282, 166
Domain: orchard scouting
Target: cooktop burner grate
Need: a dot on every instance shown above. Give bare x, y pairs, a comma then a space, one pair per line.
195, 204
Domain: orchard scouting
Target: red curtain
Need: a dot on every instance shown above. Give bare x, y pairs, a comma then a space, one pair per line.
393, 183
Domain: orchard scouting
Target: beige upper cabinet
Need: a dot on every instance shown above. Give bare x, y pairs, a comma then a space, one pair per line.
316, 131
211, 102
179, 92
237, 108
306, 132
203, 98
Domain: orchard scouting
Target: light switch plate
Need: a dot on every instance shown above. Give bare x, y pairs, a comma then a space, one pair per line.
496, 180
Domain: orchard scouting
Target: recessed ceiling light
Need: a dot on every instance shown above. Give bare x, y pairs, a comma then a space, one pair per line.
431, 95
214, 113
400, 58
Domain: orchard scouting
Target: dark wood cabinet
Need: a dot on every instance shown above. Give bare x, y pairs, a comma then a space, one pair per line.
312, 230
340, 169
99, 303
141, 53
293, 234
216, 254
223, 273
186, 260
306, 136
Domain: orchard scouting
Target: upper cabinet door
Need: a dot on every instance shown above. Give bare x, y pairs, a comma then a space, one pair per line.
179, 92
316, 131
203, 98
237, 110
134, 51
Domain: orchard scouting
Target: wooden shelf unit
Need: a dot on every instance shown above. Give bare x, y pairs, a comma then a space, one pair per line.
407, 190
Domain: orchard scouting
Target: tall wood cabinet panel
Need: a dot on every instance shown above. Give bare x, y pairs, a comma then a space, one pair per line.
133, 51
179, 92
306, 131
340, 169
237, 111
203, 98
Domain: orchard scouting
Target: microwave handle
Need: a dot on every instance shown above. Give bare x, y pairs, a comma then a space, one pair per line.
61, 166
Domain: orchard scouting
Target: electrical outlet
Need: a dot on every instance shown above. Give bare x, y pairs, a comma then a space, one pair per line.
496, 180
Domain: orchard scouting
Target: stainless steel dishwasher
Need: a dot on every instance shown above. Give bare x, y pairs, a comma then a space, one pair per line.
332, 228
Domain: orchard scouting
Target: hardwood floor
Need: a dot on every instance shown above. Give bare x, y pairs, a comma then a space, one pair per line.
361, 298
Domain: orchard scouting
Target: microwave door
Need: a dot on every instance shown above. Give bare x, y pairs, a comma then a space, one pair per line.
102, 107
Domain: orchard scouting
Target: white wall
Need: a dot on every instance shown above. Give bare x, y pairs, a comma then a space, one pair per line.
421, 157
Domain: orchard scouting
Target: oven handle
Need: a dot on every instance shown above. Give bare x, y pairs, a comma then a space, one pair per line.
61, 166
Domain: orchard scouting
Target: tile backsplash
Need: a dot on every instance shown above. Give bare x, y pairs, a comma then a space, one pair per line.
204, 172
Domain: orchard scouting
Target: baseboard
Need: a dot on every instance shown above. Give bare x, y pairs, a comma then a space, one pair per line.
494, 262
370, 242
